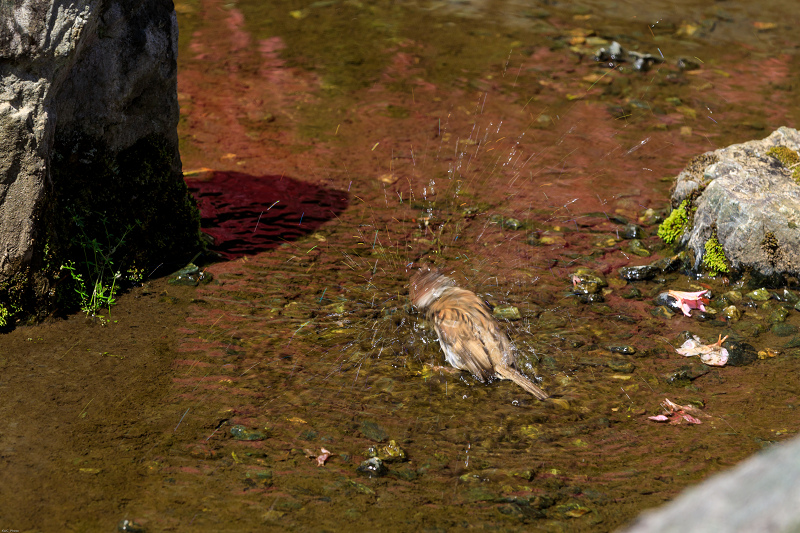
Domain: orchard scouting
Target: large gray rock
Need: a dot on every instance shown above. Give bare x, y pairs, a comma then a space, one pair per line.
88, 141
750, 199
761, 495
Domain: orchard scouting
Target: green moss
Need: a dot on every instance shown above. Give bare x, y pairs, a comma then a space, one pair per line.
714, 258
788, 158
676, 223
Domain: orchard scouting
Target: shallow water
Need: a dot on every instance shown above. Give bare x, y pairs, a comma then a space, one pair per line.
422, 128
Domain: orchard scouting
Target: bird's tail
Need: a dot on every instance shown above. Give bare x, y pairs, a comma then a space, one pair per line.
506, 372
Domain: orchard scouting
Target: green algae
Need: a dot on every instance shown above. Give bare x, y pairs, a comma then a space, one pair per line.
675, 224
714, 258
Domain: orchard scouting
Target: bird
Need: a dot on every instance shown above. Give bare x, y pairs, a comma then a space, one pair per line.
470, 337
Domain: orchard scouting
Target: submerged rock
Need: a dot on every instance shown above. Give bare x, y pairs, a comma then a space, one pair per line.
747, 197
372, 467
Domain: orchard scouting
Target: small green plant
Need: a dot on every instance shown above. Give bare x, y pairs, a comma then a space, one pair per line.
788, 158
714, 258
675, 224
4, 314
96, 281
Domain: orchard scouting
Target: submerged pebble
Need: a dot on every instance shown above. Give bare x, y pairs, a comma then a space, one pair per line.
638, 273
759, 295
689, 371
740, 353
778, 315
632, 231
240, 432
372, 467
625, 349
391, 453
637, 248
784, 329
506, 312
587, 281
731, 313
190, 275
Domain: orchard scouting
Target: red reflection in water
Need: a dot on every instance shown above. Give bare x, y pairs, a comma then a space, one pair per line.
249, 214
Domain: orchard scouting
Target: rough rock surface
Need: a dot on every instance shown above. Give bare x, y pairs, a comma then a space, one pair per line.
88, 133
760, 494
752, 201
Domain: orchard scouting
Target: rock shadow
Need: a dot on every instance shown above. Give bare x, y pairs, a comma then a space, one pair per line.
248, 214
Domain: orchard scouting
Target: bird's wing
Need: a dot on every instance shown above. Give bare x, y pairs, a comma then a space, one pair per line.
466, 333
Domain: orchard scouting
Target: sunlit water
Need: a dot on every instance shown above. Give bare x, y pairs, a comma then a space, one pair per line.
484, 138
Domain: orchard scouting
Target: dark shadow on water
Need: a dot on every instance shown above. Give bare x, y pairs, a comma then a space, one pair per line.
249, 214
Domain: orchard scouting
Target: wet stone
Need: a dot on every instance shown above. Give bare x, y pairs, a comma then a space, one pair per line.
591, 298
784, 329
506, 312
240, 432
732, 297
587, 281
787, 296
637, 248
731, 313
662, 312
797, 306
793, 343
190, 275
632, 293
619, 365
689, 371
632, 231
667, 264
129, 526
740, 353
625, 349
778, 315
638, 273
759, 295
664, 299
372, 468
391, 453
373, 431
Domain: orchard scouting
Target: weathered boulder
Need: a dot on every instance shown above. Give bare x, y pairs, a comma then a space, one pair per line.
760, 494
89, 164
747, 197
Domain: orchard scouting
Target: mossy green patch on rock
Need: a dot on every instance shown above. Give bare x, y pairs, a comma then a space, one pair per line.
714, 257
789, 158
676, 223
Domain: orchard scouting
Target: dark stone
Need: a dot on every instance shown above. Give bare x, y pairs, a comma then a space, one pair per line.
740, 353
689, 371
632, 231
638, 273
372, 467
784, 329
373, 431
625, 349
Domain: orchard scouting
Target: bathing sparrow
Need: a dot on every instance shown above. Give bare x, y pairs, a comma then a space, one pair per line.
468, 334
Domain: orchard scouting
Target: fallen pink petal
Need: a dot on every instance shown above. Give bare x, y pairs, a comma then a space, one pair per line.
710, 354
322, 457
677, 414
689, 300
